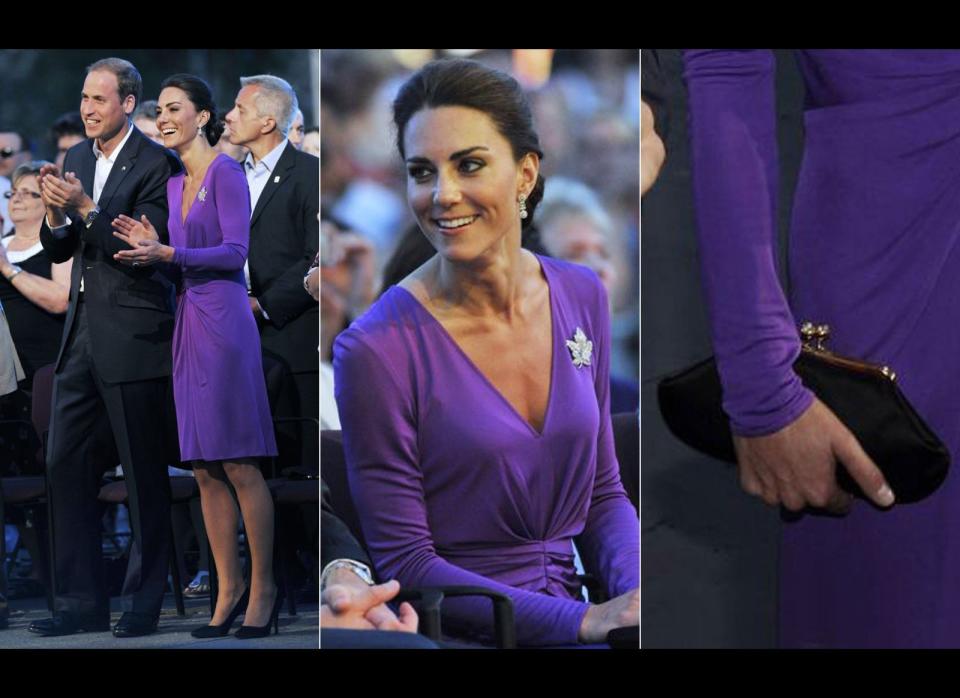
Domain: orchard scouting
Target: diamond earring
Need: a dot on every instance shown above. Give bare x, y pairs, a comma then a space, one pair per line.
522, 200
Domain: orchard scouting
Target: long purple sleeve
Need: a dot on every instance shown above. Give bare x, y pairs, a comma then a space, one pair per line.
453, 487
734, 158
227, 184
610, 542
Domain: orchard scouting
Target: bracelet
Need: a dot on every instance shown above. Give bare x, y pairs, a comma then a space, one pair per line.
358, 568
16, 270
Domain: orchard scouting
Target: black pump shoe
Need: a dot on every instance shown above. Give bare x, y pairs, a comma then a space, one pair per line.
250, 632
224, 627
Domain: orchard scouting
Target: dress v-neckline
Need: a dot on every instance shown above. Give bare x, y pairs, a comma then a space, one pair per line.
552, 302
183, 219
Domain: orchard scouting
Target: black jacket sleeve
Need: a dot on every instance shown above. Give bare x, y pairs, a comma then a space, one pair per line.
336, 541
285, 299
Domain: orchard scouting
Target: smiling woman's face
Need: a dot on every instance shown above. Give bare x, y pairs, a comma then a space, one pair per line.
25, 207
463, 182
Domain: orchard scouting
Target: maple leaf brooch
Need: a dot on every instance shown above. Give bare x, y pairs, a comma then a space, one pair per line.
580, 349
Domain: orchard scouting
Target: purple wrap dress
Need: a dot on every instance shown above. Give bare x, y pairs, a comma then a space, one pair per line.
875, 253
453, 486
218, 383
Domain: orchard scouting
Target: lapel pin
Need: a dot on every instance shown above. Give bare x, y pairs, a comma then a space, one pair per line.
276, 180
123, 169
202, 194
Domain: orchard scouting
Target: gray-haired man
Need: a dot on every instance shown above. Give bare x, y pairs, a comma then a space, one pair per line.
284, 239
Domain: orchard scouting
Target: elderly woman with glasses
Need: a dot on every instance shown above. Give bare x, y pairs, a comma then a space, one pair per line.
33, 291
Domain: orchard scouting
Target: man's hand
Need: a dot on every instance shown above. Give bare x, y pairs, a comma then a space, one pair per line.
55, 214
66, 194
796, 466
349, 602
255, 308
311, 282
652, 151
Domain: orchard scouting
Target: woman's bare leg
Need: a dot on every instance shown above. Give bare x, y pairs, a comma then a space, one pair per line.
256, 507
220, 518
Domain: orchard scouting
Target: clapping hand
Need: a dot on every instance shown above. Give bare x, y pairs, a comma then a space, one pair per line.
63, 194
55, 214
143, 238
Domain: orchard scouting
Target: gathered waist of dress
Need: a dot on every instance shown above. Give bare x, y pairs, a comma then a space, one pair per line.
198, 278
558, 547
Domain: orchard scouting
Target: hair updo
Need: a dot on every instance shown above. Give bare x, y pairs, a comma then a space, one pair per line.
200, 94
459, 82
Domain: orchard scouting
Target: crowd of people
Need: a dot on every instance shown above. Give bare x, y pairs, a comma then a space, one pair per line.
158, 264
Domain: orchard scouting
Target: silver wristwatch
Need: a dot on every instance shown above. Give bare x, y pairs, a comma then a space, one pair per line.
358, 568
91, 216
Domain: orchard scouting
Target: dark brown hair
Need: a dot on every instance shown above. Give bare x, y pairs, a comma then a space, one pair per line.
200, 94
458, 82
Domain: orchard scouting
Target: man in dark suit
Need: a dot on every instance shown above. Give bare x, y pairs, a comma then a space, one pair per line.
284, 239
115, 358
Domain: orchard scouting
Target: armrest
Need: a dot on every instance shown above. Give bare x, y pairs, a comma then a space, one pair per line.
431, 598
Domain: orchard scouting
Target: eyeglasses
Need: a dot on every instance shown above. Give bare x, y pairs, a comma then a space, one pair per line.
7, 152
21, 192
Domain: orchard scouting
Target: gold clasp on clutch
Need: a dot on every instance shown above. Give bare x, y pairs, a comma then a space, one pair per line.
814, 337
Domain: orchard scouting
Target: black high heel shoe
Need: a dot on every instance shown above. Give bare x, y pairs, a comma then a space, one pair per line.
224, 627
249, 632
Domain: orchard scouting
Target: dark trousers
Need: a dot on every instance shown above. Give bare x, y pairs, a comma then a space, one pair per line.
80, 400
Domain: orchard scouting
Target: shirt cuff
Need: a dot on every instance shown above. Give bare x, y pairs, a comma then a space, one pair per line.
60, 231
263, 311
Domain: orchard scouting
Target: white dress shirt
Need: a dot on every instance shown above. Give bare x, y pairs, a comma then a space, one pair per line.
104, 167
258, 174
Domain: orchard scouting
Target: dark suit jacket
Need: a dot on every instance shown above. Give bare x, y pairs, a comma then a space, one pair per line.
129, 311
336, 540
284, 239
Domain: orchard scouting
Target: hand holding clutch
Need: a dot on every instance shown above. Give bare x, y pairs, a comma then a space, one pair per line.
860, 419
796, 466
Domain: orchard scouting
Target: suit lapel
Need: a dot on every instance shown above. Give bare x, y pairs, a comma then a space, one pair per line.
122, 167
87, 168
279, 175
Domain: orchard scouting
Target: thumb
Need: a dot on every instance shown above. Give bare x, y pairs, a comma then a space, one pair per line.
862, 469
145, 220
384, 592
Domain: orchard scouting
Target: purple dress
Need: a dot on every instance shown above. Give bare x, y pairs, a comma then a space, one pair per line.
453, 487
874, 253
218, 383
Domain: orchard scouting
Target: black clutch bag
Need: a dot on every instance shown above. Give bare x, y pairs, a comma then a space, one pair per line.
865, 397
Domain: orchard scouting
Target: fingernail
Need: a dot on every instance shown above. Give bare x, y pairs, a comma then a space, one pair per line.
885, 495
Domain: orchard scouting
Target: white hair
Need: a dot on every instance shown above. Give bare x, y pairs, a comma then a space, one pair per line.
565, 196
275, 98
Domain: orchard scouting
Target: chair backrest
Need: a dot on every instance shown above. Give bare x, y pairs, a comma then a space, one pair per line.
333, 465
626, 437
